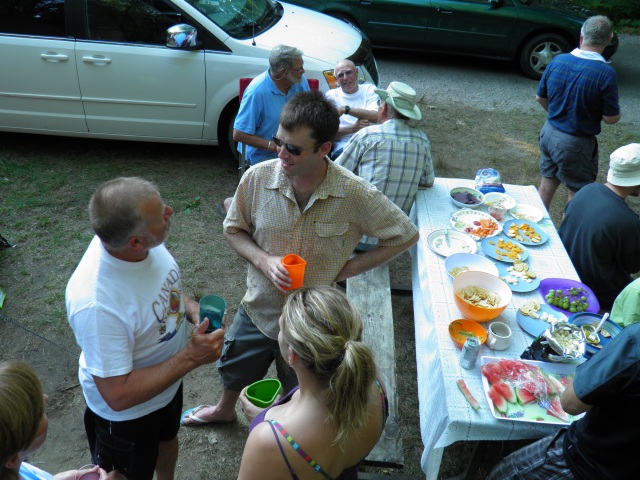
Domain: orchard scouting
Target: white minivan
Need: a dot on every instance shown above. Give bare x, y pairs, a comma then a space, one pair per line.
113, 68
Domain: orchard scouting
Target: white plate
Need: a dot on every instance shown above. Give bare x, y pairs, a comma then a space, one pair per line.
535, 412
459, 243
490, 245
535, 326
462, 220
522, 286
523, 211
502, 198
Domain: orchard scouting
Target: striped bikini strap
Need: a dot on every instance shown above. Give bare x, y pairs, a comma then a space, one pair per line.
300, 451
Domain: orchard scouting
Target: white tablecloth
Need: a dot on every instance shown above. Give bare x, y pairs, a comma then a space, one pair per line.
445, 415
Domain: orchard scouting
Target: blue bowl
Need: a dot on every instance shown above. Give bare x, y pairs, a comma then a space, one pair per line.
587, 318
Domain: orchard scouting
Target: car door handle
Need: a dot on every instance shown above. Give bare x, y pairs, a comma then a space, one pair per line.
443, 10
54, 57
98, 59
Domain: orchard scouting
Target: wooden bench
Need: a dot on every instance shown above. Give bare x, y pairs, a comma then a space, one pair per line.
370, 292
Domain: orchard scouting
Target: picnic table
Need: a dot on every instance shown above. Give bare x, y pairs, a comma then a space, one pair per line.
445, 415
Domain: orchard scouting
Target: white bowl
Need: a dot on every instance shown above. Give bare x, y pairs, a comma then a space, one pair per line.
522, 211
499, 198
478, 196
474, 263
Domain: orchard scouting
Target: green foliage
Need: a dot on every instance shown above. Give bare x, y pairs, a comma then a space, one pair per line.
617, 10
192, 205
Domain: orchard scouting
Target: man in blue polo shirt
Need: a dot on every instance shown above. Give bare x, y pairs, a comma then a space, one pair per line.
262, 102
579, 90
259, 114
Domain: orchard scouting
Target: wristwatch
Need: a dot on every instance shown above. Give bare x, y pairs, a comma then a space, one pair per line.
347, 108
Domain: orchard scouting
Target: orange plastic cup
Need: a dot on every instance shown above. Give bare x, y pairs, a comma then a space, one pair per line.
295, 266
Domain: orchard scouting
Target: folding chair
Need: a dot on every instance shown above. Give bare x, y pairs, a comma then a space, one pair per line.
314, 84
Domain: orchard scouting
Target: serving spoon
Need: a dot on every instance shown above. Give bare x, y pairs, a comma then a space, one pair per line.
593, 337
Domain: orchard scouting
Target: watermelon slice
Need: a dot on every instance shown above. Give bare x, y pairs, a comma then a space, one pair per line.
467, 394
498, 400
506, 390
525, 396
492, 372
557, 384
566, 380
555, 410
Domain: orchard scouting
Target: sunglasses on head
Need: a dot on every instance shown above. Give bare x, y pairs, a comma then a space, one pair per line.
292, 149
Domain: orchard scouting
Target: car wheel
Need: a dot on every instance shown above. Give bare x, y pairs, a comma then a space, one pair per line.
225, 128
539, 51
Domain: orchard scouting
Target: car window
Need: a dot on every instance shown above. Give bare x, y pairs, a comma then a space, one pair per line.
240, 19
130, 21
32, 17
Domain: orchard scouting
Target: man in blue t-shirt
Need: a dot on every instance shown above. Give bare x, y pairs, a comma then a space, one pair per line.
579, 90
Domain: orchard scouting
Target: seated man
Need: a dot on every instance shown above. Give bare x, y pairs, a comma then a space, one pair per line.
357, 104
595, 446
393, 156
601, 232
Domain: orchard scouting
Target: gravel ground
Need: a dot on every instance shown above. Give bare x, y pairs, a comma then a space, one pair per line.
497, 85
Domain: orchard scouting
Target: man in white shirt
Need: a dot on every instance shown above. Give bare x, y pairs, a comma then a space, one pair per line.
357, 104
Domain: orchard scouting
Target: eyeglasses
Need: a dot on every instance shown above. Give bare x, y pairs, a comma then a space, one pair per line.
292, 149
346, 73
299, 70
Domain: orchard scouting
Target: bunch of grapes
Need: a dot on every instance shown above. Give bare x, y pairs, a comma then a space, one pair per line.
573, 300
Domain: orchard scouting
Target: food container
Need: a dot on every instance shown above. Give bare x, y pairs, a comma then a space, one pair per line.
567, 341
465, 197
488, 283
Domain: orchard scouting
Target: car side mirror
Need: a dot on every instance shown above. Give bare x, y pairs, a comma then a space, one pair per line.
183, 36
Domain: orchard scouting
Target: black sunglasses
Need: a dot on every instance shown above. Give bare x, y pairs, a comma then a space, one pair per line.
292, 149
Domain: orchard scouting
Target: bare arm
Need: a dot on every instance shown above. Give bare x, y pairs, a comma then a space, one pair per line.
254, 141
361, 113
571, 403
611, 120
371, 259
544, 102
270, 265
140, 385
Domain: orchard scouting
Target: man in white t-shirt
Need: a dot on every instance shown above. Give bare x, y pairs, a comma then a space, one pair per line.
357, 104
127, 310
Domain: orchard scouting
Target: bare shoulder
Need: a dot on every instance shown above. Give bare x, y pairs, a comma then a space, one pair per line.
261, 457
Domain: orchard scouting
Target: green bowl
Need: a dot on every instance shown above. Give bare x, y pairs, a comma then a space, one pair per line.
263, 392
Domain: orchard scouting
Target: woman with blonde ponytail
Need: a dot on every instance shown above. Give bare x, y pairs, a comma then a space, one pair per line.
324, 428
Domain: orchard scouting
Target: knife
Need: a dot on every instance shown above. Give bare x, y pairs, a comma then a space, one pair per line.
446, 237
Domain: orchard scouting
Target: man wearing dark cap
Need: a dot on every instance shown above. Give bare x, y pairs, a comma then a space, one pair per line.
601, 233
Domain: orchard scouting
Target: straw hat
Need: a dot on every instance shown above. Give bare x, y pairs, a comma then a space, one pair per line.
401, 97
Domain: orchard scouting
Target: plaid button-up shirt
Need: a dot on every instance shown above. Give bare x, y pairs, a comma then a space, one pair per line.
342, 209
394, 157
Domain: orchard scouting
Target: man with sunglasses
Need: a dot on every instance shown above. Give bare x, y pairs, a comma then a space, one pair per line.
357, 104
394, 156
300, 203
262, 103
